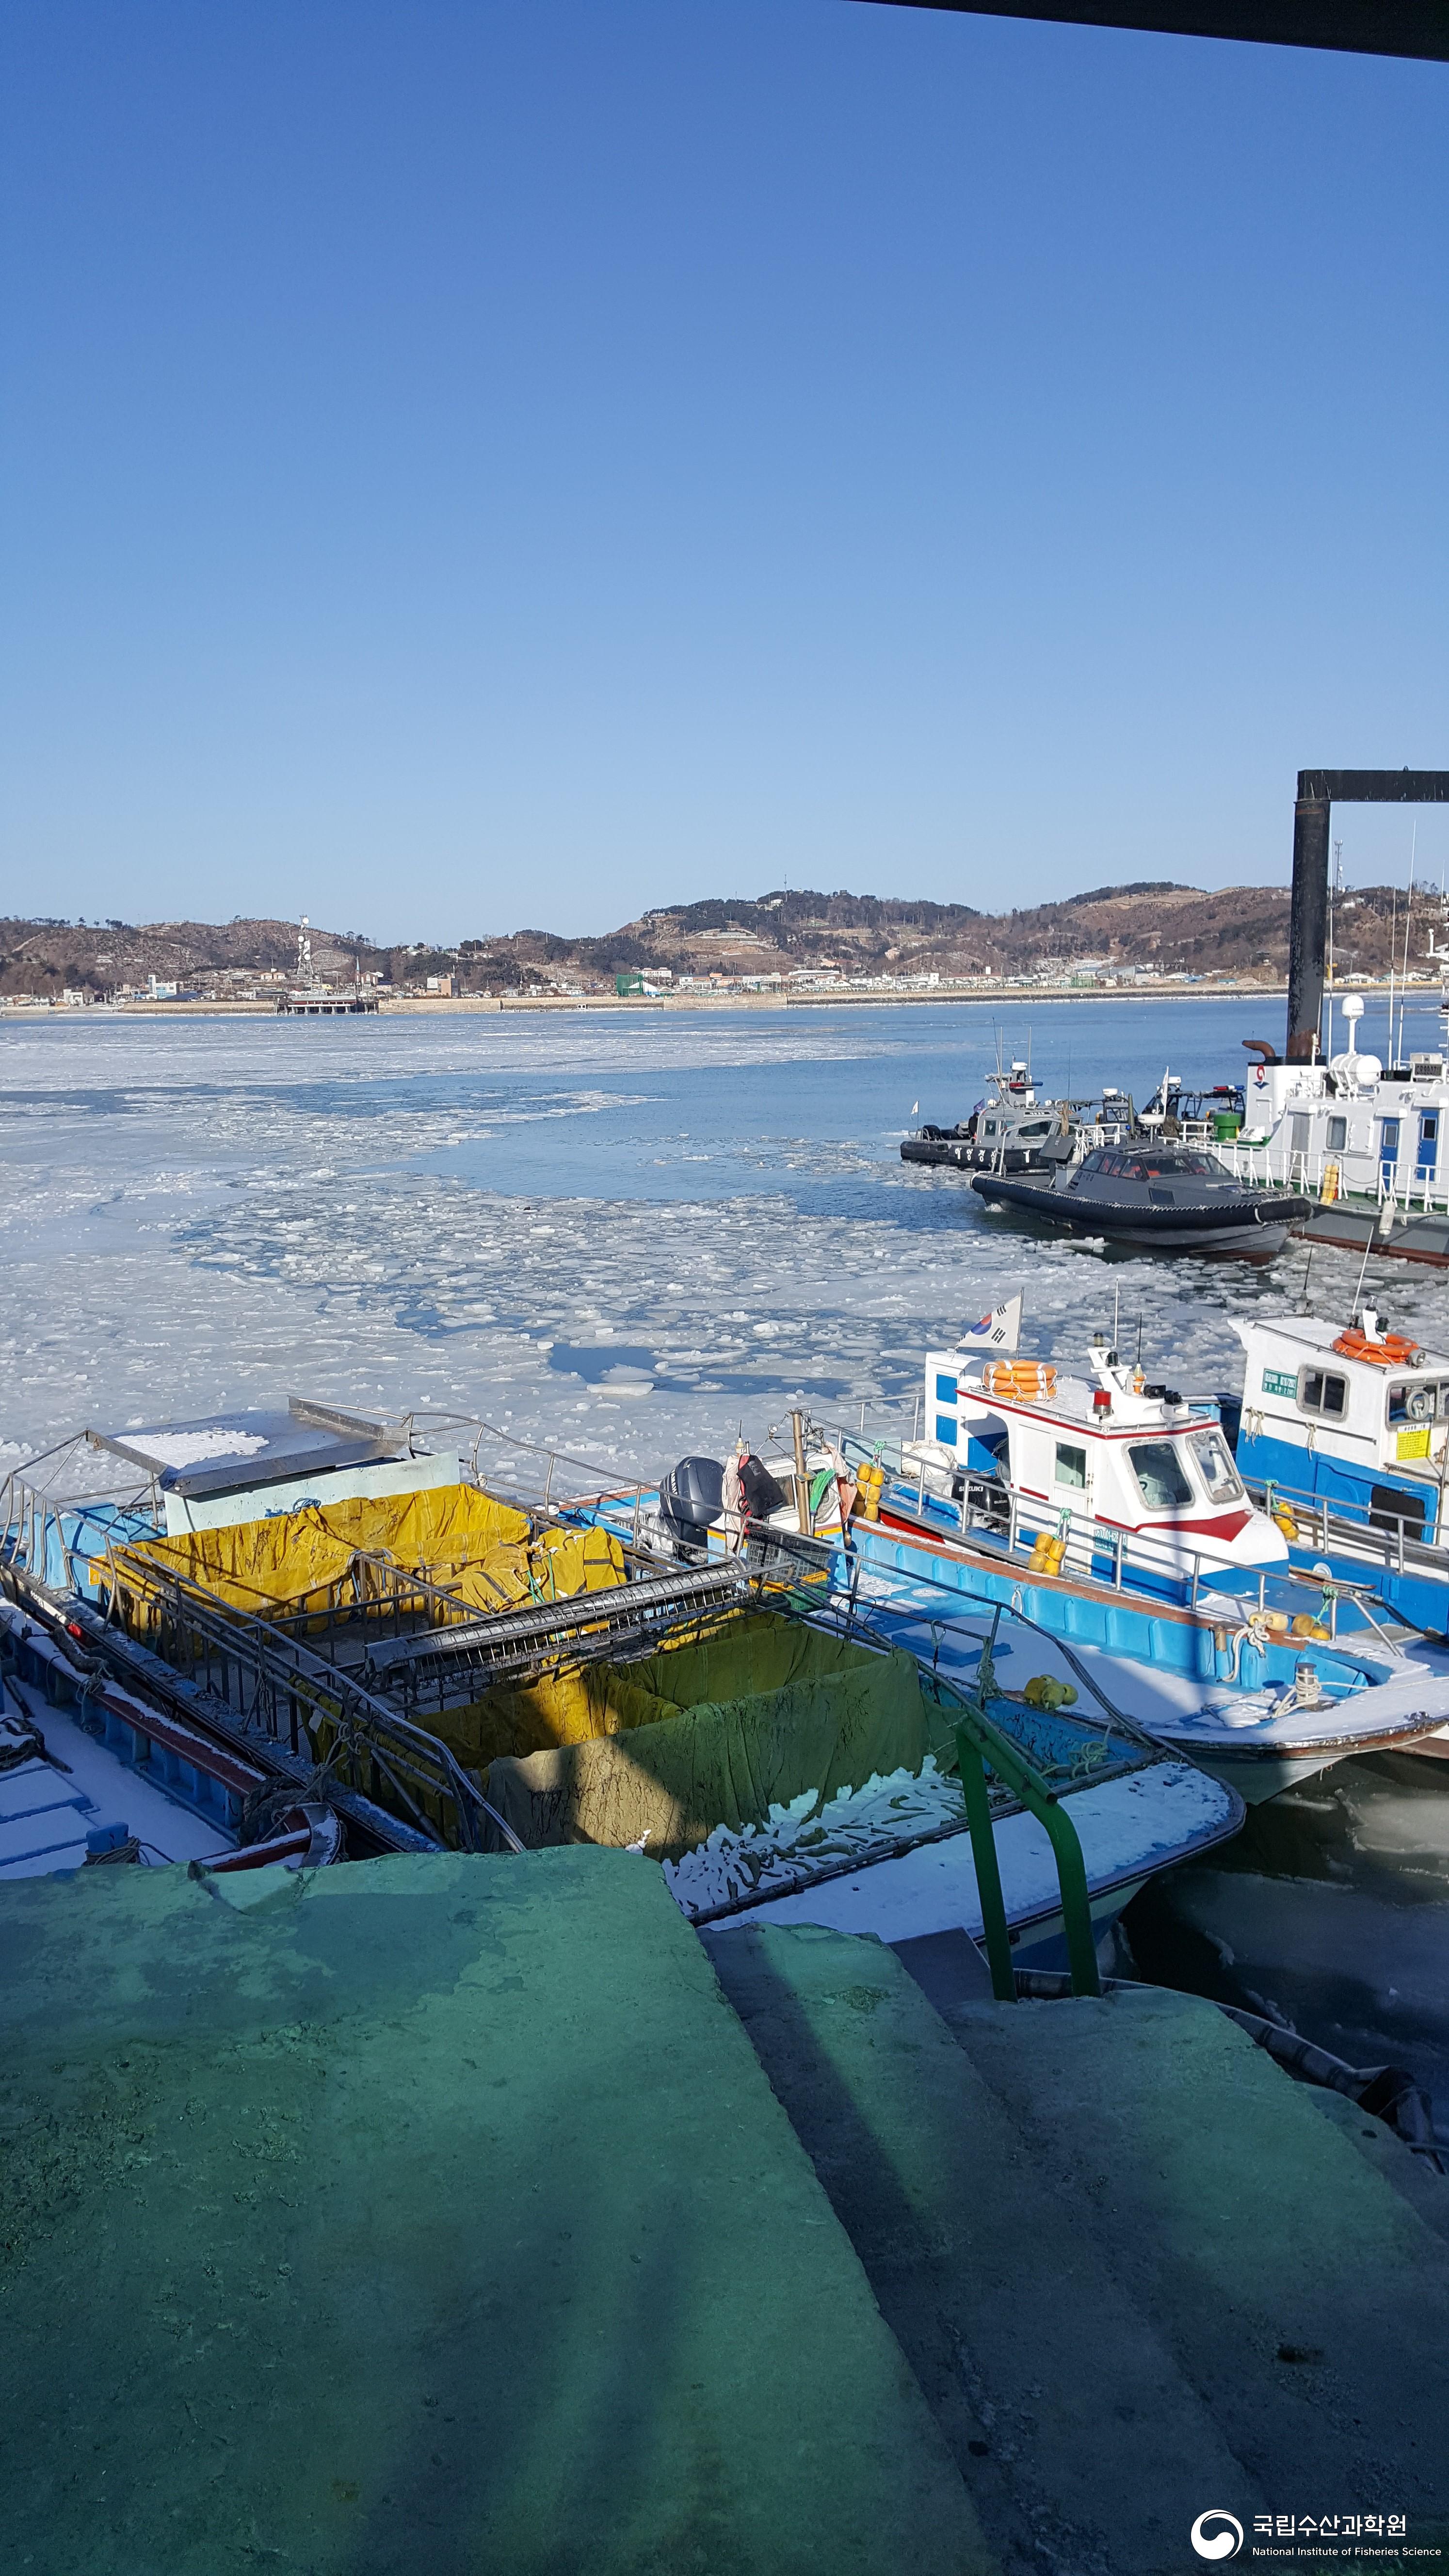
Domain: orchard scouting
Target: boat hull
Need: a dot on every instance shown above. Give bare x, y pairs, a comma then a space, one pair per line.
1128, 1829
1353, 1228
1255, 1227
1161, 1662
962, 1156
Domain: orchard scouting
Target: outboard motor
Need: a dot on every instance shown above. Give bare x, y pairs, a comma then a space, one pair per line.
690, 1497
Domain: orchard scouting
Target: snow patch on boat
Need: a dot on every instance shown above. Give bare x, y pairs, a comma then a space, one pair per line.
803, 1837
191, 1448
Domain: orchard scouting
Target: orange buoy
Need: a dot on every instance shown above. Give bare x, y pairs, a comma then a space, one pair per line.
1392, 1351
1021, 1378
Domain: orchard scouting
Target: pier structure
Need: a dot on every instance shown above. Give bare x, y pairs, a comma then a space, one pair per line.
473, 2212
1418, 29
1319, 790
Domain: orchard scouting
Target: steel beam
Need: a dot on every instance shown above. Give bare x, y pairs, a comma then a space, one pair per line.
1319, 790
1308, 926
1416, 29
1375, 786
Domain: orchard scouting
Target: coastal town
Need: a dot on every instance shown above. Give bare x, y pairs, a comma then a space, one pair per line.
1154, 937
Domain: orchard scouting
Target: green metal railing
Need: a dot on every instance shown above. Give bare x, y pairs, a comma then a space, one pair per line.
980, 1744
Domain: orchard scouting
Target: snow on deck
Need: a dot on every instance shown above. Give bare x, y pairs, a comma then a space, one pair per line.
1127, 1827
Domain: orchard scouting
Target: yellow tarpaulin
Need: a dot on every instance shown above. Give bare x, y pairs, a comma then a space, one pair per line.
456, 1536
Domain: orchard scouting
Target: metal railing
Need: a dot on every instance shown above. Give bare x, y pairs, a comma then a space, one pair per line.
1393, 1538
281, 1691
1095, 1551
1305, 1171
981, 1745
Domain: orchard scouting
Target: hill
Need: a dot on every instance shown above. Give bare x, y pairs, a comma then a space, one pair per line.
1234, 930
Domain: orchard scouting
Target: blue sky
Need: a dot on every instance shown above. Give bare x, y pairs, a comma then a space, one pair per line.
522, 460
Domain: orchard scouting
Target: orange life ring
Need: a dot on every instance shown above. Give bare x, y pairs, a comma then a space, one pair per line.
1023, 1378
1392, 1352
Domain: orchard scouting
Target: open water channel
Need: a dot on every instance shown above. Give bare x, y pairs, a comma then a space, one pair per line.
628, 1236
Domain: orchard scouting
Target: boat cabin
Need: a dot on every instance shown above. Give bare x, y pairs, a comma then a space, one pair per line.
1370, 1128
1108, 1448
1354, 1416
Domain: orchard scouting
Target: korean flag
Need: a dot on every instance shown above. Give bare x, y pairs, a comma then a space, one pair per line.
999, 1331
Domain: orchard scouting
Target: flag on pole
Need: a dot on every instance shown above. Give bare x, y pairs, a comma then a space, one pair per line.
1000, 1330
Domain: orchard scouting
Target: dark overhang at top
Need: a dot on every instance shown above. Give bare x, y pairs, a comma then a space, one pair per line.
1373, 786
1418, 28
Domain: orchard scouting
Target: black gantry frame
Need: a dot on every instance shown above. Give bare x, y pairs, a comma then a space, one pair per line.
1319, 790
1416, 28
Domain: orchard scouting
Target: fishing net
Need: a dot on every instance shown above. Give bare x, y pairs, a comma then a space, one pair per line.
712, 1732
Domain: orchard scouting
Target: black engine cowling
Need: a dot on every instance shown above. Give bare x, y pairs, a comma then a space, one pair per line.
692, 1495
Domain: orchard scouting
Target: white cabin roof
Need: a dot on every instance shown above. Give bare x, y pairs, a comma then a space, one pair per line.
1314, 1333
1309, 1331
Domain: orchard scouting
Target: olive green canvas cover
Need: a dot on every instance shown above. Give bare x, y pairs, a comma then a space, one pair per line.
716, 1732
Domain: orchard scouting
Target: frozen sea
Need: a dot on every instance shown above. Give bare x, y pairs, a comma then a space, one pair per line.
625, 1237
628, 1237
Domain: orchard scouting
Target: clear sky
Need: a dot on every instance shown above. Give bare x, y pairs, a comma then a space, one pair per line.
474, 463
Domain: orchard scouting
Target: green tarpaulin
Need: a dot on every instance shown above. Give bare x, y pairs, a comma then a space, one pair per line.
714, 1733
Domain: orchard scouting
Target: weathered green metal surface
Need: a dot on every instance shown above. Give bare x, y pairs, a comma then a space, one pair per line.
1136, 2271
431, 2213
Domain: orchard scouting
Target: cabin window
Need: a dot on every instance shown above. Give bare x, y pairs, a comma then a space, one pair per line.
1417, 1401
1159, 1473
1071, 1465
1337, 1135
1319, 1391
945, 1390
989, 1127
1218, 1472
1300, 1131
1169, 1165
1037, 1127
946, 1429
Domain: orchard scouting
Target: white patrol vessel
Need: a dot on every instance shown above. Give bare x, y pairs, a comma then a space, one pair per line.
1370, 1142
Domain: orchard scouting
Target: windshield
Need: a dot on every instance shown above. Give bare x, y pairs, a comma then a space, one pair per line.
1157, 1166
1215, 1463
1160, 1475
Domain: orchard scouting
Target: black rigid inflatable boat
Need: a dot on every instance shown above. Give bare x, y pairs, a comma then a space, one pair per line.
1168, 1198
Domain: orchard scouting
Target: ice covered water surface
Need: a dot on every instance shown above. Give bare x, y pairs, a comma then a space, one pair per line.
624, 1237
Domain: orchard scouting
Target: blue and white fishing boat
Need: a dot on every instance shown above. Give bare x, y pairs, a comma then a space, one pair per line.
1344, 1434
1109, 1513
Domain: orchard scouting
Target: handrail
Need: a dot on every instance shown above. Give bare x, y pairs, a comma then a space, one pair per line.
284, 1673
1362, 1523
1150, 1554
979, 1742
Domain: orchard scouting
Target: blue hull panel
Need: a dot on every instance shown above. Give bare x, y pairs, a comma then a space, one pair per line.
1420, 1594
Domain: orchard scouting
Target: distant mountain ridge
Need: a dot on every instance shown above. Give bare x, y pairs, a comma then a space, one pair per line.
1234, 930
